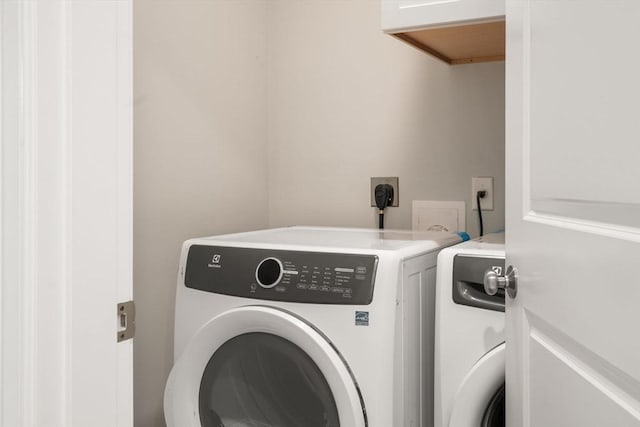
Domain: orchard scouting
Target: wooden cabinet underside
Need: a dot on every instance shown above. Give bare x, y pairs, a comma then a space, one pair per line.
462, 44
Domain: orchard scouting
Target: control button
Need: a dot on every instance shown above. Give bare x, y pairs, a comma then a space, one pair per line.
280, 289
269, 272
325, 288
301, 286
337, 290
360, 277
292, 272
313, 287
361, 270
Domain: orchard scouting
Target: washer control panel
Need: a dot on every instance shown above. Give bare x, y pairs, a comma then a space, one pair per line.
468, 277
277, 275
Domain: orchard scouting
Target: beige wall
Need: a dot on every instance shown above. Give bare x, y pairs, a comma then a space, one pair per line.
252, 113
200, 92
347, 102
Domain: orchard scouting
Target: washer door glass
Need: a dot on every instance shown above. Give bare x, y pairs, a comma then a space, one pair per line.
494, 416
263, 380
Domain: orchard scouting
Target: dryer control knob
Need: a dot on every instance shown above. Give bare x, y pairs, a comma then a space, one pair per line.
269, 272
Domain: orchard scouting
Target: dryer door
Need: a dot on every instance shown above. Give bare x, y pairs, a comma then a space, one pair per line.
260, 366
479, 402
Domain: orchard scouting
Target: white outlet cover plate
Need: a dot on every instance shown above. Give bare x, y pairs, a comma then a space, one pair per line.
438, 215
482, 183
391, 180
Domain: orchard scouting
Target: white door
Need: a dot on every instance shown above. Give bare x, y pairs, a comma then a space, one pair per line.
573, 212
65, 167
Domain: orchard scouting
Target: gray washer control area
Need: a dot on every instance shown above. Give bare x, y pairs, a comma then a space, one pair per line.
277, 275
468, 277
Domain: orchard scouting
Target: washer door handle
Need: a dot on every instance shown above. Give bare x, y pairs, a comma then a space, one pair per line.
509, 282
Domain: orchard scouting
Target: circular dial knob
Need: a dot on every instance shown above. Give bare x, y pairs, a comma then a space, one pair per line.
269, 272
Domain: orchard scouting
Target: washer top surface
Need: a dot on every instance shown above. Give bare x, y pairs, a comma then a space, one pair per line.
487, 245
305, 238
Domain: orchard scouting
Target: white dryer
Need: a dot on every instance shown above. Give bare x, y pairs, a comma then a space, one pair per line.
305, 327
469, 341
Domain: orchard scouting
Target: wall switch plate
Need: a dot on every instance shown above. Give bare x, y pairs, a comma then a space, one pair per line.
479, 183
391, 180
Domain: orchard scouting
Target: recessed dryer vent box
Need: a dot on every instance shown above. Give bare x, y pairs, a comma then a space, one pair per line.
437, 215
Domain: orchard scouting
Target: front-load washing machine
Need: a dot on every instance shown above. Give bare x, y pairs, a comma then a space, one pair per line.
305, 327
469, 341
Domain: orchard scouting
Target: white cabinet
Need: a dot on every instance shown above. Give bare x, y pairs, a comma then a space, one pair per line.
408, 15
455, 31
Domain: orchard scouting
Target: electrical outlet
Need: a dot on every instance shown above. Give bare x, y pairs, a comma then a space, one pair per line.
391, 180
479, 183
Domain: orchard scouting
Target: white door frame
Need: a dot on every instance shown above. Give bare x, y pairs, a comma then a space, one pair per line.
65, 222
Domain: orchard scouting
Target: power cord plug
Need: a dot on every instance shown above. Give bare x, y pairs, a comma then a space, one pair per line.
383, 194
480, 195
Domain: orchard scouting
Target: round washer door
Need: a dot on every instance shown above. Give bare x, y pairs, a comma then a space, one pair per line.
478, 390
260, 366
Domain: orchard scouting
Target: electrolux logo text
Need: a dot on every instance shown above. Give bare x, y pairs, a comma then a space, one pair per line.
215, 261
